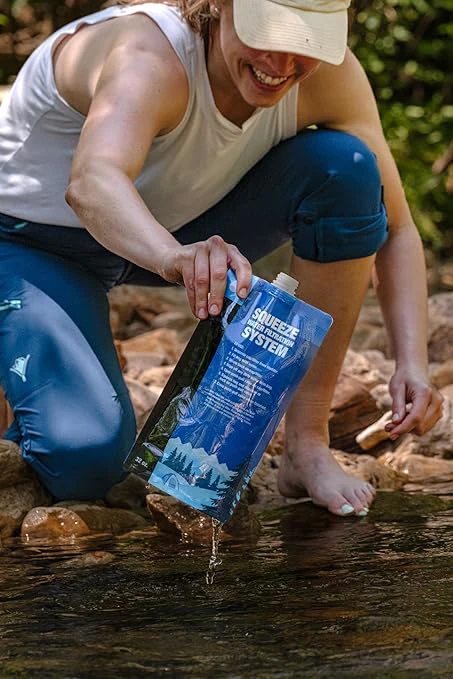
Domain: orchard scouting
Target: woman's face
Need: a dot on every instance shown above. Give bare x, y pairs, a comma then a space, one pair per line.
261, 78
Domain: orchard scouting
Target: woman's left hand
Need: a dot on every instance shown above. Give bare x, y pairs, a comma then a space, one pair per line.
417, 405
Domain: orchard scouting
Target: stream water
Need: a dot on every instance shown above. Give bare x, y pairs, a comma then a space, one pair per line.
315, 596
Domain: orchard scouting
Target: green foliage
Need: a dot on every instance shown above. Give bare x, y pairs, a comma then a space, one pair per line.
406, 48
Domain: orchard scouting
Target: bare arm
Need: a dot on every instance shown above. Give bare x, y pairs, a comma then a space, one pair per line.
139, 91
341, 98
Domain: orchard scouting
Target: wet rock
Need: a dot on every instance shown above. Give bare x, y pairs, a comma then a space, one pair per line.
438, 442
105, 519
440, 337
174, 517
16, 501
128, 494
157, 377
369, 469
89, 560
13, 469
162, 341
143, 400
52, 523
353, 409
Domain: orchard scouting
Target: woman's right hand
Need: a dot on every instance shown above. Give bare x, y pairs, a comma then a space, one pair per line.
202, 268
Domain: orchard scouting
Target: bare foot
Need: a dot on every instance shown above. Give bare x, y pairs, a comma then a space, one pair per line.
317, 473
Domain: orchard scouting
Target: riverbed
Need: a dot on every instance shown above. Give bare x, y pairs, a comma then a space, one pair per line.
315, 596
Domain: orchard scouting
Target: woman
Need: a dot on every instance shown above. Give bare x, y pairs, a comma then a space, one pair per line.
145, 145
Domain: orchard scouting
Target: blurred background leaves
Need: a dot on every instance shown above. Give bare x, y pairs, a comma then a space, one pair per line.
406, 47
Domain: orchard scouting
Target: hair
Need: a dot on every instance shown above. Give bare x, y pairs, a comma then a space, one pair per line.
197, 13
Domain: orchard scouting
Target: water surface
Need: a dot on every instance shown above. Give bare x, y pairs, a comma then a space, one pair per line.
316, 596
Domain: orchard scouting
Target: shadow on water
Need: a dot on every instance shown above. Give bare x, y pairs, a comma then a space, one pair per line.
317, 596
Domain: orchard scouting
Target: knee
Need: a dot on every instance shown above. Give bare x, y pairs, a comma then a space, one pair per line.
340, 214
83, 461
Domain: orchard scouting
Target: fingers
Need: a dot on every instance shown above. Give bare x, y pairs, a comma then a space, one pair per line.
218, 265
420, 415
243, 270
203, 267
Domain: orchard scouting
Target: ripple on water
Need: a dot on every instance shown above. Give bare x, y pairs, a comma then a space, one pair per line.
316, 596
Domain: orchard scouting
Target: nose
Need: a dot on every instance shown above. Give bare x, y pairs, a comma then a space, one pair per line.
284, 63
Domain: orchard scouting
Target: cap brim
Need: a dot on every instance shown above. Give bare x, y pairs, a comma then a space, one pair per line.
269, 26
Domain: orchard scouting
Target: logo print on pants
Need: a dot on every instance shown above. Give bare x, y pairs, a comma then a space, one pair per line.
20, 366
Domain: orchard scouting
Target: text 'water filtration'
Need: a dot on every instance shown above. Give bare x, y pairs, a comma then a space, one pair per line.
227, 394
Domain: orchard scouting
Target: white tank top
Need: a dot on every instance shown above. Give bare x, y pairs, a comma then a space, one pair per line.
187, 170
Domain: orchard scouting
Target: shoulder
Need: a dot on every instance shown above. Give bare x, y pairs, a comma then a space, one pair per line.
337, 96
128, 48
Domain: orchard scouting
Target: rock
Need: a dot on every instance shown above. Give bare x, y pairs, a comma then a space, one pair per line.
174, 320
121, 356
381, 395
369, 469
352, 410
6, 415
69, 520
139, 361
16, 501
418, 467
128, 494
438, 442
162, 341
174, 517
377, 359
157, 377
13, 469
360, 368
105, 519
447, 391
52, 523
263, 486
125, 300
440, 336
446, 275
89, 560
443, 374
276, 445
375, 433
143, 400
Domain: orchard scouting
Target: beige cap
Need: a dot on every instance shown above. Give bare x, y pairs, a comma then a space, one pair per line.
313, 28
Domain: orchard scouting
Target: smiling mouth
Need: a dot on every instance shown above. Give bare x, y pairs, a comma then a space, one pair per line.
266, 79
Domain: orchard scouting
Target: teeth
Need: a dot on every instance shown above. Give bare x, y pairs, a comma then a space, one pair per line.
267, 79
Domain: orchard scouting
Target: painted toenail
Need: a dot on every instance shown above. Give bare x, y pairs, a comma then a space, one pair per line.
364, 512
347, 509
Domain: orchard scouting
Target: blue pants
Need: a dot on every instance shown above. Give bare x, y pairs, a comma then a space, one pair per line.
58, 366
